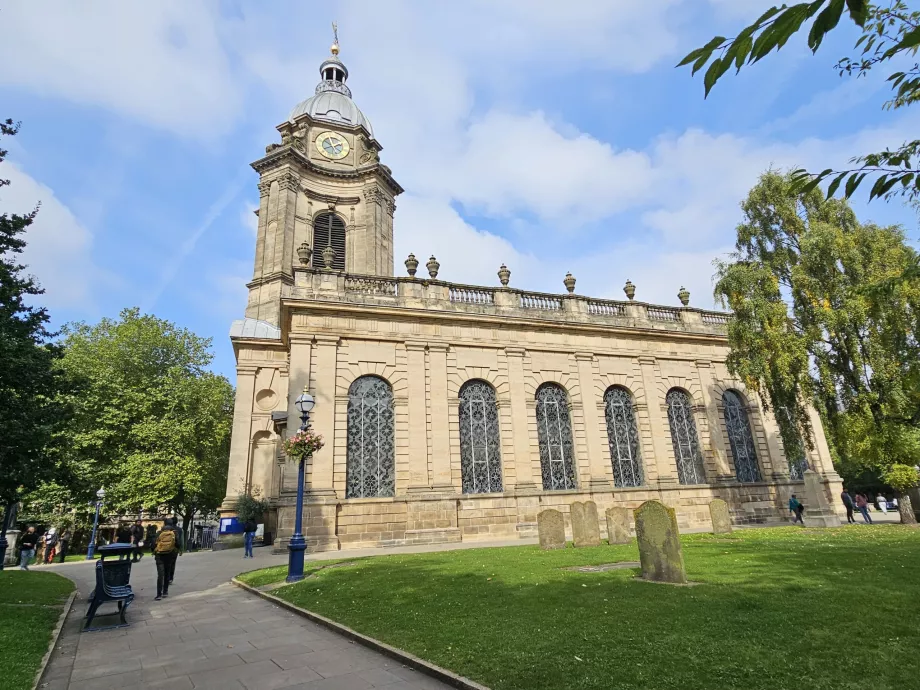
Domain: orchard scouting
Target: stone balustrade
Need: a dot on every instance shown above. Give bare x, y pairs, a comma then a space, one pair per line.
507, 302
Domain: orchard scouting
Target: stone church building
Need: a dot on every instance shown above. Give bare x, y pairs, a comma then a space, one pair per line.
458, 412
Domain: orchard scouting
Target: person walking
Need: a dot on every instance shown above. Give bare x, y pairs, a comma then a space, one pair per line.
796, 508
173, 524
50, 541
848, 504
27, 547
137, 538
65, 545
249, 533
882, 503
862, 505
165, 551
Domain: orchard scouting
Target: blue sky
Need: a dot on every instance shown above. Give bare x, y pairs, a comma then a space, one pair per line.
549, 136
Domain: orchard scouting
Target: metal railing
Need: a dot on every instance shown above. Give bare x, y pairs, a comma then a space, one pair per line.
536, 300
371, 285
602, 307
471, 295
663, 314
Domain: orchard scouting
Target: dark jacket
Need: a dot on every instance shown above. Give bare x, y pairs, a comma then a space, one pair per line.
847, 499
249, 526
29, 541
137, 533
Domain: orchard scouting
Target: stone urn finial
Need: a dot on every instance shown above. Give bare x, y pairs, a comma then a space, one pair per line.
569, 282
504, 275
411, 265
328, 257
304, 253
433, 267
684, 296
629, 289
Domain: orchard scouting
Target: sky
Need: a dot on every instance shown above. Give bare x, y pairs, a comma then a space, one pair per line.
549, 136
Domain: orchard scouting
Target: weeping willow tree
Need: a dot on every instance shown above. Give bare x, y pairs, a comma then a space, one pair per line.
826, 311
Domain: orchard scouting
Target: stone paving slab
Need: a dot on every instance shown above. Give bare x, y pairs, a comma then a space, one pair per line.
210, 634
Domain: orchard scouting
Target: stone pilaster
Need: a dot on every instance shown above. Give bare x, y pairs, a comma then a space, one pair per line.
287, 210
601, 471
418, 414
320, 480
523, 467
439, 409
238, 472
661, 433
717, 445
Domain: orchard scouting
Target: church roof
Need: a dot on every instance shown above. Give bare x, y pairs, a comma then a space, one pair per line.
332, 100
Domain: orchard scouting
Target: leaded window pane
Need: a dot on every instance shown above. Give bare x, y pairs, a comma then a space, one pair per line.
623, 437
684, 437
480, 454
371, 459
554, 430
740, 438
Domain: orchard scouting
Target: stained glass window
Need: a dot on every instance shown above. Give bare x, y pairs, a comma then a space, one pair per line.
554, 430
623, 437
740, 438
684, 437
371, 461
480, 454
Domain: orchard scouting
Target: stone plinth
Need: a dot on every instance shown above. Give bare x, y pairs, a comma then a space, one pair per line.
586, 530
659, 543
618, 526
551, 528
818, 511
721, 520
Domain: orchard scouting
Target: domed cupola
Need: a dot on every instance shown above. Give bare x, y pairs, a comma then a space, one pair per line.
332, 100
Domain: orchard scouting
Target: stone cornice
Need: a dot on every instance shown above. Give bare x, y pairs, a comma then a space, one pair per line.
291, 156
330, 199
270, 278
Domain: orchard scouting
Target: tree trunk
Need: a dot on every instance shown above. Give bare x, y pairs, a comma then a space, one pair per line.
186, 523
906, 510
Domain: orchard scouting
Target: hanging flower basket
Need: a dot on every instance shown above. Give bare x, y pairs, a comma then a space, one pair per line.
302, 444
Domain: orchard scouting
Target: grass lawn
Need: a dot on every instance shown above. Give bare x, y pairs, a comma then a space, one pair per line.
778, 609
30, 604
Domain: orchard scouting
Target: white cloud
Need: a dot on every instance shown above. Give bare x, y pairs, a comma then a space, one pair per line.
57, 248
249, 219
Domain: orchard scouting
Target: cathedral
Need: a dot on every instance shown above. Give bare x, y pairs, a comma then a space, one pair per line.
456, 412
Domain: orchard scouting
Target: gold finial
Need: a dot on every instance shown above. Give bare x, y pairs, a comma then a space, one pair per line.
335, 41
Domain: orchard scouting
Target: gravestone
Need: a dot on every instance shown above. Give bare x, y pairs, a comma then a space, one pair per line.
818, 512
586, 531
12, 537
721, 521
551, 528
618, 526
659, 543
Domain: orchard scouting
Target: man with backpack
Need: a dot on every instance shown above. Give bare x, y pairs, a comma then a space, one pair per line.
166, 548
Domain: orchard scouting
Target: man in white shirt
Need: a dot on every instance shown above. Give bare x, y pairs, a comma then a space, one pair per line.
882, 503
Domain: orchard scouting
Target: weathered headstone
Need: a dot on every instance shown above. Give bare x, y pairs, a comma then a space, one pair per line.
551, 529
586, 531
721, 520
618, 525
12, 537
659, 543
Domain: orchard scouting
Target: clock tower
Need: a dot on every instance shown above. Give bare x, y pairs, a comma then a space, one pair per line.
322, 188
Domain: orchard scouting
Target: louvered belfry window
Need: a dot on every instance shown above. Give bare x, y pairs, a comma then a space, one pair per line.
740, 438
328, 231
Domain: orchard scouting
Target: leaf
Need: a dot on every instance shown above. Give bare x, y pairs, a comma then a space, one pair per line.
852, 184
825, 22
832, 187
718, 67
691, 56
699, 63
909, 40
768, 14
859, 11
876, 190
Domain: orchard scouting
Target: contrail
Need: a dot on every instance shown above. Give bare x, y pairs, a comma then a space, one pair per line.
187, 247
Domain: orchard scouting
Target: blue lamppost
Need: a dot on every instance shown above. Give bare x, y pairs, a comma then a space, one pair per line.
298, 544
92, 540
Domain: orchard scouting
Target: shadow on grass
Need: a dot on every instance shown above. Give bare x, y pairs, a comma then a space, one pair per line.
777, 610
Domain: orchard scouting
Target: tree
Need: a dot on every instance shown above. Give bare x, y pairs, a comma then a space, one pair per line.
811, 324
250, 508
903, 478
29, 381
149, 424
890, 32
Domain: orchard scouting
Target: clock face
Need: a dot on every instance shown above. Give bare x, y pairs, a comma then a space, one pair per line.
332, 145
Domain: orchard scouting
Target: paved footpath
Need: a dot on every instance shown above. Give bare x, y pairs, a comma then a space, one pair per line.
211, 634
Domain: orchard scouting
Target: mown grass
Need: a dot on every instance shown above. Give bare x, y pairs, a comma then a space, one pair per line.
30, 604
278, 573
777, 609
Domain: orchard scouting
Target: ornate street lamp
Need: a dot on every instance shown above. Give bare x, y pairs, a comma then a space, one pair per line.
92, 540
298, 544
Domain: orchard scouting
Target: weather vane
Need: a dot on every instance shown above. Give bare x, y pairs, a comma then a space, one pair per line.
335, 38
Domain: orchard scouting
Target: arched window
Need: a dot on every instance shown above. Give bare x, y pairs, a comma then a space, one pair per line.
371, 457
623, 437
740, 438
328, 231
554, 430
480, 454
683, 436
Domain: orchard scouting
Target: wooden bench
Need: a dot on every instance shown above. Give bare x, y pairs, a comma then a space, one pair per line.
112, 584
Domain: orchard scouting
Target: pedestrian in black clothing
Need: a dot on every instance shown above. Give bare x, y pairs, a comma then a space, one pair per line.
27, 547
65, 544
166, 548
848, 504
137, 538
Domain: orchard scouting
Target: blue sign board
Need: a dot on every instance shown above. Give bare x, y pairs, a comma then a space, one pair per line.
230, 526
